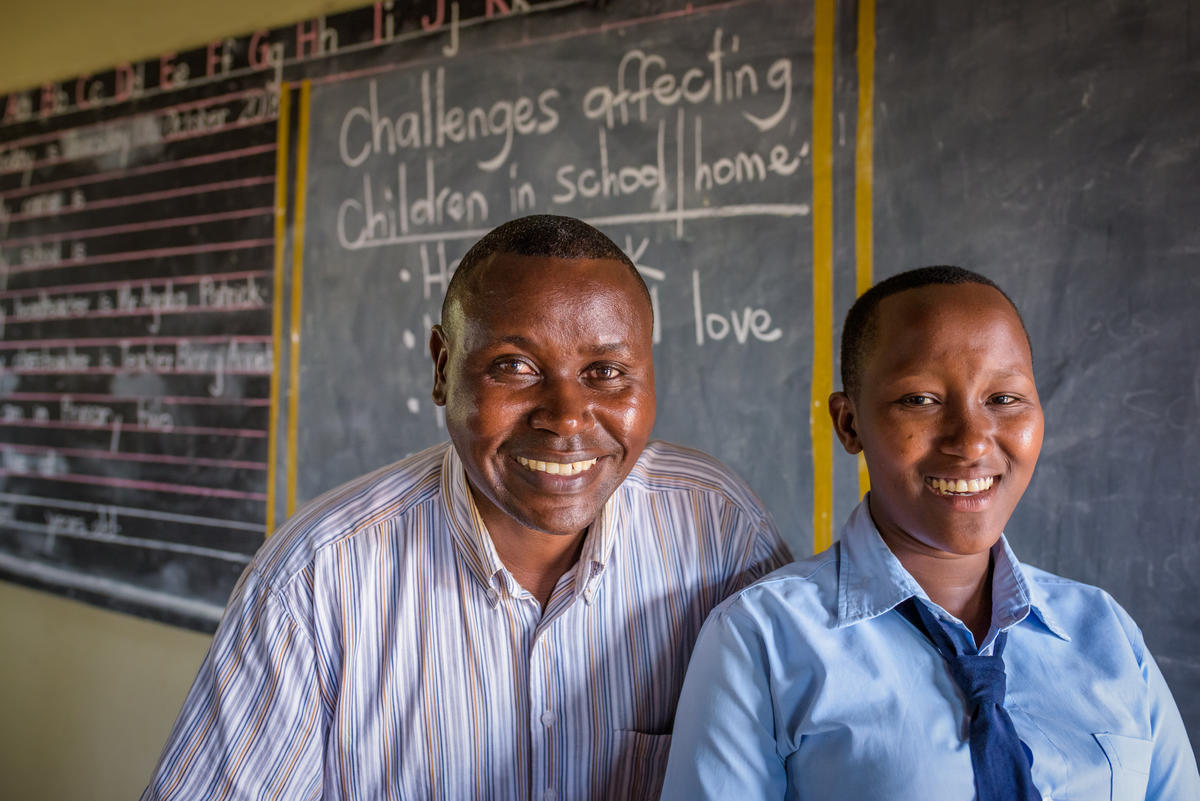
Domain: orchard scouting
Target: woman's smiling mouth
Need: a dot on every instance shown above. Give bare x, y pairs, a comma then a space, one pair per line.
960, 486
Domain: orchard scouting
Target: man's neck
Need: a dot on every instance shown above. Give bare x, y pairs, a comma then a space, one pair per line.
537, 560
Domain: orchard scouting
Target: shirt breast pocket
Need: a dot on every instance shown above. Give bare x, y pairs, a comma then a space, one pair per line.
1129, 759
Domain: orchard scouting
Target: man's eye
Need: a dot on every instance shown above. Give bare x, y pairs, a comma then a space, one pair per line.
1005, 400
605, 372
916, 400
513, 367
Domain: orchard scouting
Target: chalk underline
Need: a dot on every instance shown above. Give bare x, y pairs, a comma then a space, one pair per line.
745, 210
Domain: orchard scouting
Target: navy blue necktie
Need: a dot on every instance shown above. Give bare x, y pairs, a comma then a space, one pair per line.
1000, 760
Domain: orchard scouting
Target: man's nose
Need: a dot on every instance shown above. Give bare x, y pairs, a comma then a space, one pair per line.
968, 432
563, 407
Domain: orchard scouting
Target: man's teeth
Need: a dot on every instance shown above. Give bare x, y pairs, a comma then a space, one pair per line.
948, 486
556, 468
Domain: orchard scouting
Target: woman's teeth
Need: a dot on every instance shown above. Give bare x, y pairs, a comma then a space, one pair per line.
950, 486
556, 468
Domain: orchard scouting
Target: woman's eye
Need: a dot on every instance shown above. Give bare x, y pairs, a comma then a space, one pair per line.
916, 400
1004, 400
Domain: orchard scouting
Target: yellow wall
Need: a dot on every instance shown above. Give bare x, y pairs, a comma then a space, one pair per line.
87, 696
44, 41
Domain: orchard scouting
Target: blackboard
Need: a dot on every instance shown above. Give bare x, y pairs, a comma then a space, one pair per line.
747, 154
135, 273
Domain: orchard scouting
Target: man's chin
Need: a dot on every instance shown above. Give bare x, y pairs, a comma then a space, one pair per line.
562, 527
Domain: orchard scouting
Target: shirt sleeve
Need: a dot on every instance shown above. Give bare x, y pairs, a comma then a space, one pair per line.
252, 724
724, 743
1173, 772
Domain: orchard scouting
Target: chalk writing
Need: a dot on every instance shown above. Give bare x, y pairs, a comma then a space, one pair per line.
743, 325
91, 414
103, 524
389, 214
110, 139
223, 294
46, 307
366, 131
716, 84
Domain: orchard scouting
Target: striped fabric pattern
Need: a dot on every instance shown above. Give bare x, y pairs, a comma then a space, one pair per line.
377, 648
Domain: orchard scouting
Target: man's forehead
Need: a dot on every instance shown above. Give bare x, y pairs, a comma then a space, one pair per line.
590, 304
500, 269
529, 283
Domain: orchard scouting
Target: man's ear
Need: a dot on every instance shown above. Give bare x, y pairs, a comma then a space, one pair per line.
439, 350
845, 421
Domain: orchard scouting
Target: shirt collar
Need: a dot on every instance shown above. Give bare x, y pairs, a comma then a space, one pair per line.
598, 544
871, 580
475, 544
470, 534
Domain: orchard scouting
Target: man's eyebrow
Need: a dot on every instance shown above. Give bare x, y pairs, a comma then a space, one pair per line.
1010, 372
606, 348
515, 339
598, 349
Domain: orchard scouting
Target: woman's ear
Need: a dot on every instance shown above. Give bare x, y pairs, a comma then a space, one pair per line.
845, 421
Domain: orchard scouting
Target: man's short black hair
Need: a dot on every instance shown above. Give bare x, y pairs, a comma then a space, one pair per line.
548, 235
858, 332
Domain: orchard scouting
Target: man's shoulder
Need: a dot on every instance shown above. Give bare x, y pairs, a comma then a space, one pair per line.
665, 467
347, 510
796, 604
806, 587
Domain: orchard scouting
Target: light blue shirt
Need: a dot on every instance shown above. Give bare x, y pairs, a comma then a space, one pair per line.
810, 684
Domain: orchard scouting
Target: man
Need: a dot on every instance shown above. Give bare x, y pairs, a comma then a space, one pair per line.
917, 659
508, 616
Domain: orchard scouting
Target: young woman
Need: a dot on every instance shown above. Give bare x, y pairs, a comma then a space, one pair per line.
917, 659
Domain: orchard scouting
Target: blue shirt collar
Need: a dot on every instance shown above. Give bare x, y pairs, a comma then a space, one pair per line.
871, 580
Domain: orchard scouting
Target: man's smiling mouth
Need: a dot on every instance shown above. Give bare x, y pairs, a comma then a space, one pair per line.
556, 468
952, 486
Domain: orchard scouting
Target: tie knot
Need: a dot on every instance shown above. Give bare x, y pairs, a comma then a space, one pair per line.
981, 678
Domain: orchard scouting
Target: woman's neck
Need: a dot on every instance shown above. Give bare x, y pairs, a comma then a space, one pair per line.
962, 585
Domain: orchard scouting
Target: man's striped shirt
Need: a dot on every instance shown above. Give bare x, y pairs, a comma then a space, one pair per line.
377, 648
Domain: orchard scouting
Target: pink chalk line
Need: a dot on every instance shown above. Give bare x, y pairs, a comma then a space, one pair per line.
129, 172
81, 342
145, 197
34, 139
104, 315
141, 225
246, 433
137, 255
180, 136
160, 458
175, 400
101, 286
153, 486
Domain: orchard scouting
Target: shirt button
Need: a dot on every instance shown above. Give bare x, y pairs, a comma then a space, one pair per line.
549, 795
548, 720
